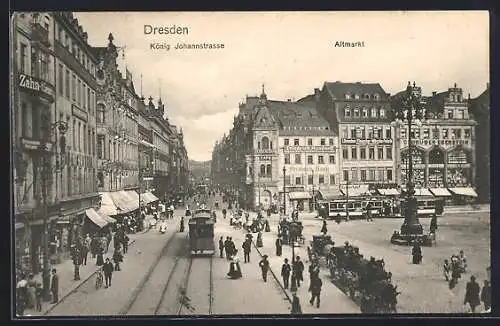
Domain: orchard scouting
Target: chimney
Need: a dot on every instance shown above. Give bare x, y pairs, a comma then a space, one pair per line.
317, 94
434, 93
289, 99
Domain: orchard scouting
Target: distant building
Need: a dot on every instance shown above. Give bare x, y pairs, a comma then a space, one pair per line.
480, 108
360, 114
444, 142
267, 136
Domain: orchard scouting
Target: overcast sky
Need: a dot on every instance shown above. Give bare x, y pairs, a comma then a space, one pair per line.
292, 53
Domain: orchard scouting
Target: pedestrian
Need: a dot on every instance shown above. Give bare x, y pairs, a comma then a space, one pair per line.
54, 286
221, 247
247, 247
260, 243
313, 271
315, 289
117, 258
267, 228
234, 267
100, 259
87, 244
296, 308
38, 295
227, 248
77, 256
30, 290
338, 219
84, 252
182, 224
224, 212
107, 268
446, 270
433, 227
298, 270
472, 294
125, 243
264, 266
94, 245
416, 253
21, 295
324, 230
285, 273
279, 247
486, 295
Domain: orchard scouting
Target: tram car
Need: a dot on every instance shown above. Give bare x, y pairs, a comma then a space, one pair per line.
338, 207
376, 206
426, 207
201, 234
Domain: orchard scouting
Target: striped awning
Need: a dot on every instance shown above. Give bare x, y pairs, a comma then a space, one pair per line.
440, 192
96, 218
123, 202
464, 191
388, 192
299, 195
148, 197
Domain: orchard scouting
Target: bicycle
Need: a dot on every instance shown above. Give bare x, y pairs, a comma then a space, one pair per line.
99, 279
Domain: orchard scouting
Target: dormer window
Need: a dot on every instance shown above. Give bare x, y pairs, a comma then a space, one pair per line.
382, 113
347, 96
376, 97
347, 112
356, 96
367, 96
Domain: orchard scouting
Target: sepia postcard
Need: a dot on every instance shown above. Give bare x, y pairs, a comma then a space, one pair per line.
250, 163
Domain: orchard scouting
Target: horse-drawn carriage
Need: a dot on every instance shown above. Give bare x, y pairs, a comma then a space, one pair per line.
365, 281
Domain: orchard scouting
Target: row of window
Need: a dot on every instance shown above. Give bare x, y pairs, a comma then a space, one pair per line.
364, 112
368, 175
461, 114
310, 142
83, 137
436, 156
310, 179
35, 64
363, 151
310, 159
366, 96
72, 46
444, 133
76, 90
116, 151
366, 133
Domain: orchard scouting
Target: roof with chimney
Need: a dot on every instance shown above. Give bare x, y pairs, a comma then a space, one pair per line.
480, 106
348, 91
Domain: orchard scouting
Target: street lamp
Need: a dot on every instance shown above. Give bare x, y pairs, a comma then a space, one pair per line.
314, 197
411, 110
284, 191
48, 129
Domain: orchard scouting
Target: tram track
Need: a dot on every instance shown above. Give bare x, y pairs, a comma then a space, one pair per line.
194, 282
150, 295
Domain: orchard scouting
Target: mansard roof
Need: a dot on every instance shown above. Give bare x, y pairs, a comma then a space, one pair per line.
338, 91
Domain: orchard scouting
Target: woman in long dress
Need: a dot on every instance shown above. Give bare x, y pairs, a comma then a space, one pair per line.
31, 289
234, 267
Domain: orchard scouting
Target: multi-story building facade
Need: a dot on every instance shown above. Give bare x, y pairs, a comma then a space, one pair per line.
443, 144
360, 114
54, 103
480, 108
268, 135
75, 132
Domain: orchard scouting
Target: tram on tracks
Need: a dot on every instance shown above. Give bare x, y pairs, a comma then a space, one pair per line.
201, 233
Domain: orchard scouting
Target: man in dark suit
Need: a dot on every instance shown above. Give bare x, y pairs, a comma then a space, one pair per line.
54, 286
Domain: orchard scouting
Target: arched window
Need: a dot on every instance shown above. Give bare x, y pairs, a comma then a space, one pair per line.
265, 143
268, 170
262, 170
347, 96
376, 96
258, 145
356, 96
367, 96
271, 145
436, 156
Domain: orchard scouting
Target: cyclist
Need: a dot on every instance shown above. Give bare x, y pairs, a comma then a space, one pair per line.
99, 279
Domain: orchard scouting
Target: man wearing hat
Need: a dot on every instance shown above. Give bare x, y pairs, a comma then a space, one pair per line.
264, 266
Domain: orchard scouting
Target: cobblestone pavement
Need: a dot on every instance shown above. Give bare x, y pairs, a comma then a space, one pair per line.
423, 287
85, 300
250, 294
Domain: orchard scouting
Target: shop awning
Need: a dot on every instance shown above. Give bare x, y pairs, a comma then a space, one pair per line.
122, 202
464, 191
440, 192
299, 195
130, 200
148, 197
356, 190
423, 192
330, 194
388, 192
153, 197
133, 195
108, 207
96, 218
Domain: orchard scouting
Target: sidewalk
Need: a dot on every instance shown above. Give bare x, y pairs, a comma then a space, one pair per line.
333, 300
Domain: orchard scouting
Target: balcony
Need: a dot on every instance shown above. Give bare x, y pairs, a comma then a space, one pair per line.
40, 34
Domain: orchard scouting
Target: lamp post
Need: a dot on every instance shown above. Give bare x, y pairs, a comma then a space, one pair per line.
410, 109
347, 199
258, 185
47, 130
284, 191
314, 197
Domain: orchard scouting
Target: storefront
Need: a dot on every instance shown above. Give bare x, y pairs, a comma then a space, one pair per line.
299, 199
